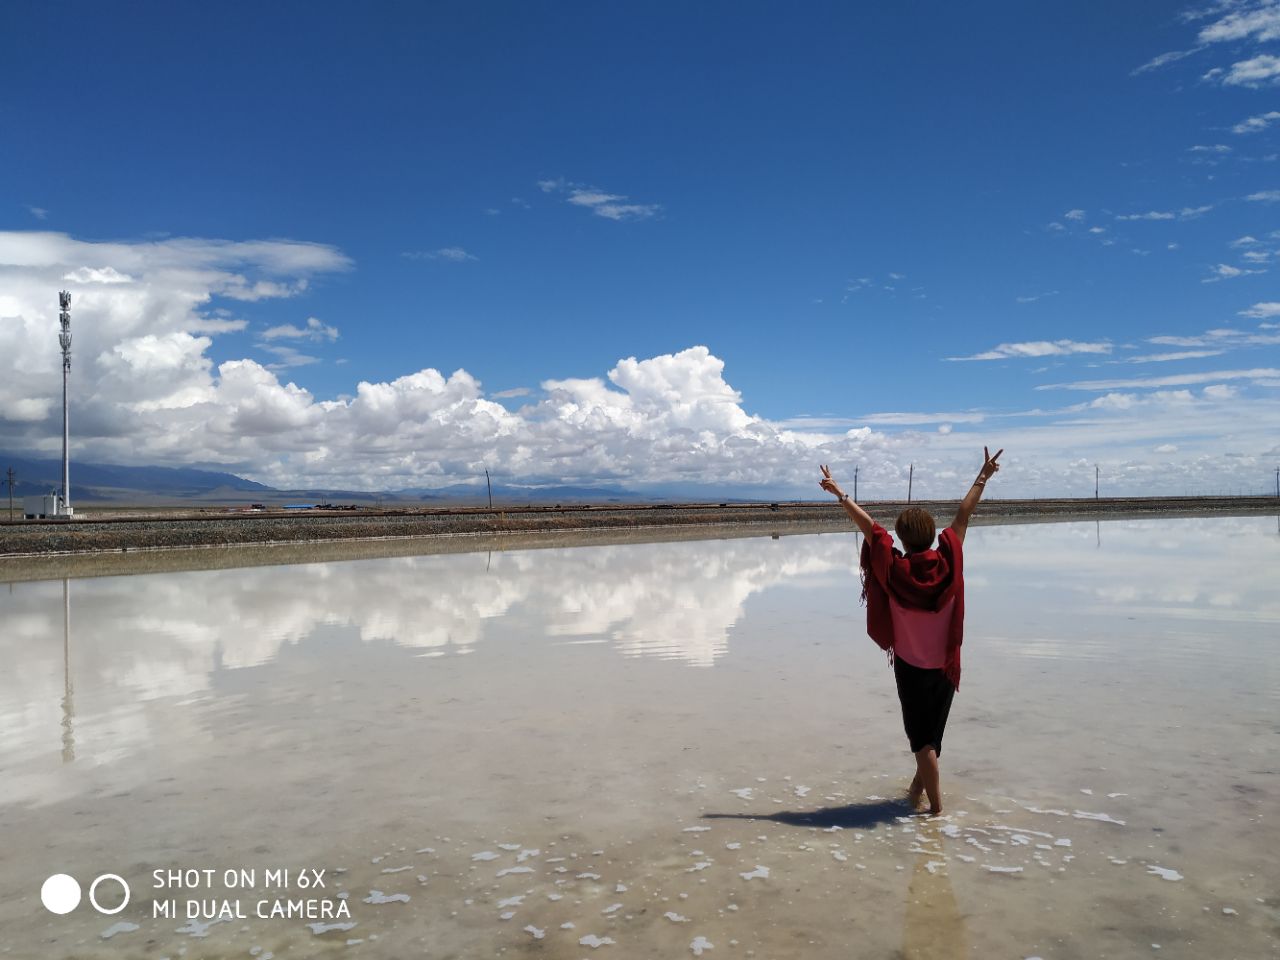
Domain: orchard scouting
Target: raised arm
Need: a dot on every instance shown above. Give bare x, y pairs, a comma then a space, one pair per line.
855, 512
970, 502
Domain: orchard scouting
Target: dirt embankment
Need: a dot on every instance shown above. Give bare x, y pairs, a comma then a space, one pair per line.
209, 528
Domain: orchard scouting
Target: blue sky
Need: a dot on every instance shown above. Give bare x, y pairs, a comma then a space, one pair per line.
794, 221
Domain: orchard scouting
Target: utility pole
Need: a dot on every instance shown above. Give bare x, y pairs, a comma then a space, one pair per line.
10, 477
64, 341
1095, 481
489, 485
11, 488
911, 471
855, 483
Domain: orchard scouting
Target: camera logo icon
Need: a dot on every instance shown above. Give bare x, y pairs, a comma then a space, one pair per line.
61, 893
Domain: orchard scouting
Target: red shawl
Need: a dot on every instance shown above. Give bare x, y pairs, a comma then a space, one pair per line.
920, 581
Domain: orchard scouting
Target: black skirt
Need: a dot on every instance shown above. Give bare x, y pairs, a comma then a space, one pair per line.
926, 700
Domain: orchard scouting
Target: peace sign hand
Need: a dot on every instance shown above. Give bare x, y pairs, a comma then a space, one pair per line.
989, 466
827, 483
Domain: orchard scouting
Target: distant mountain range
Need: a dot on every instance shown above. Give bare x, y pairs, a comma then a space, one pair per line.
94, 481
115, 484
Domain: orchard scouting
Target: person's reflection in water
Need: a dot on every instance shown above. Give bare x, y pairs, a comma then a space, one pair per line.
933, 927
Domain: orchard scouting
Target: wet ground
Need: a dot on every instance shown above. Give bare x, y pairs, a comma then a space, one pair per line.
657, 749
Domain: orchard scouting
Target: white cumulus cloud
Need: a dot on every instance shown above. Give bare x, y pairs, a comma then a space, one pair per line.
1262, 311
1038, 348
146, 389
314, 330
611, 206
1264, 69
1257, 123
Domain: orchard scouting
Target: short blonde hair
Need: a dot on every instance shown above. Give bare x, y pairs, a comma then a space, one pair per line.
915, 529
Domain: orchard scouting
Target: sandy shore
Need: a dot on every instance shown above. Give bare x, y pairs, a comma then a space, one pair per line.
124, 531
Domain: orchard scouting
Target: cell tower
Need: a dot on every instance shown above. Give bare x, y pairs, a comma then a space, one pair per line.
64, 341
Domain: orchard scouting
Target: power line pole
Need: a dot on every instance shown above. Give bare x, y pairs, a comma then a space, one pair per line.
489, 485
855, 483
10, 476
64, 341
1095, 481
911, 471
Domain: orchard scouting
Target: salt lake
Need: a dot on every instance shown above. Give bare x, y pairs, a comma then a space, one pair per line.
681, 748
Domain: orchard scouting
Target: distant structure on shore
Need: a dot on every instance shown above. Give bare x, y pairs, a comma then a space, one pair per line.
58, 504
64, 341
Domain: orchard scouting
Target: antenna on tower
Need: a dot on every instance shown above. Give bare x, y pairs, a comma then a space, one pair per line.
64, 341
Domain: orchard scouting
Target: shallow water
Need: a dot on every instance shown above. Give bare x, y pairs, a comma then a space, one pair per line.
676, 749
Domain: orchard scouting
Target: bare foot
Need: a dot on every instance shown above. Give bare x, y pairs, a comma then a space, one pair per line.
915, 793
935, 811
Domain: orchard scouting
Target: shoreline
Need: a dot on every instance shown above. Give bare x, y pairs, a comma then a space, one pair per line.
56, 545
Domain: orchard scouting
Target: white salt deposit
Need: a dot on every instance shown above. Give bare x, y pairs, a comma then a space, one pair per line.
484, 855
700, 865
525, 854
125, 926
699, 944
592, 941
377, 896
510, 870
510, 847
760, 871
397, 869
1017, 830
675, 917
995, 869
536, 932
612, 908
319, 928
1102, 817
1164, 873
515, 901
696, 829
197, 928
744, 792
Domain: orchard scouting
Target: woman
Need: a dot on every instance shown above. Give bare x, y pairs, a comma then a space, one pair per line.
915, 610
